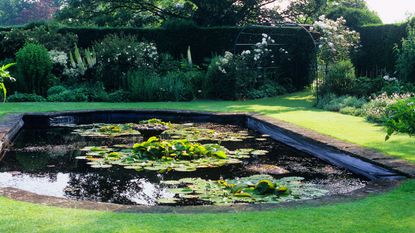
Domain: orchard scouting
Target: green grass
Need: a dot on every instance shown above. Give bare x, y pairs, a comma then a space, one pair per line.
296, 108
390, 212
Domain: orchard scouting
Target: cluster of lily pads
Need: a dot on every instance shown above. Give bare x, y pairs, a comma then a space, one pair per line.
179, 148
165, 155
122, 130
194, 134
253, 189
108, 130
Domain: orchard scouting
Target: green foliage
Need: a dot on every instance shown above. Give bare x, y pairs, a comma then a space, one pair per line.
233, 77
74, 95
179, 24
93, 92
377, 52
24, 97
252, 189
56, 90
146, 85
355, 17
376, 109
34, 68
219, 84
107, 131
116, 55
401, 118
158, 155
340, 78
267, 90
46, 35
405, 64
118, 96
5, 75
344, 104
155, 148
83, 60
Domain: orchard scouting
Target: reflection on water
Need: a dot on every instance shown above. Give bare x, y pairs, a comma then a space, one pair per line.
43, 161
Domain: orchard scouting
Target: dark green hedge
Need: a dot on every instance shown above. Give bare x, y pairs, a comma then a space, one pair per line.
203, 41
377, 52
206, 42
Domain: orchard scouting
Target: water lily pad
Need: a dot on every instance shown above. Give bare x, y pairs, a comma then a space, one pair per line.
259, 152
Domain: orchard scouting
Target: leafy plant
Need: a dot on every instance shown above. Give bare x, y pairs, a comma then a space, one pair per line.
252, 189
401, 118
405, 64
154, 149
24, 97
34, 68
376, 109
108, 130
340, 79
117, 55
345, 104
146, 85
4, 74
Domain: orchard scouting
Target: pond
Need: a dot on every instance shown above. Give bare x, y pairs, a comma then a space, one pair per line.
175, 162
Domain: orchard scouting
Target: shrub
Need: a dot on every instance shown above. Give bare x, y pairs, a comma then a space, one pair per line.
24, 97
146, 85
375, 110
119, 96
93, 92
55, 90
344, 104
221, 77
365, 86
405, 64
401, 118
47, 36
34, 68
116, 55
267, 90
340, 79
76, 95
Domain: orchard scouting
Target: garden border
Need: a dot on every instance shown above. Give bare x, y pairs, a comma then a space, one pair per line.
277, 129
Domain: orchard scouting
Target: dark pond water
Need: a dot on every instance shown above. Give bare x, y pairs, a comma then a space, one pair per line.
43, 161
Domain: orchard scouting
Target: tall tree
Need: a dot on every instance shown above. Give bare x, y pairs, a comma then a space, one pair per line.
14, 12
355, 12
203, 12
304, 11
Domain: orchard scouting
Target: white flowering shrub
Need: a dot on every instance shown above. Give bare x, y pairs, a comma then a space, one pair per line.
336, 40
117, 55
244, 75
58, 58
376, 109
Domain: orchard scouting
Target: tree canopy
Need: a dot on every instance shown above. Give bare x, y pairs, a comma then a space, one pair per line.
144, 13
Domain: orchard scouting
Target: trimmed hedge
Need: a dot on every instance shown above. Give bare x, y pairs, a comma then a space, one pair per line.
377, 52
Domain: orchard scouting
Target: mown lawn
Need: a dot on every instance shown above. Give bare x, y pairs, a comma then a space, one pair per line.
390, 212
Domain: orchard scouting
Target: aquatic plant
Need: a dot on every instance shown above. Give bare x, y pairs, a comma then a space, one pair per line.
154, 148
107, 130
253, 189
192, 133
165, 155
